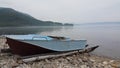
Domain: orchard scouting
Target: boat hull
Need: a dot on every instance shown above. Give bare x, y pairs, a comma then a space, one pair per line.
25, 49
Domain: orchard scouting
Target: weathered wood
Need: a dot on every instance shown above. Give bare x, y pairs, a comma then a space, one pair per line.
46, 56
90, 49
55, 55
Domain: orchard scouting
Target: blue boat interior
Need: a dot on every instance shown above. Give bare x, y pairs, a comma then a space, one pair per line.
49, 42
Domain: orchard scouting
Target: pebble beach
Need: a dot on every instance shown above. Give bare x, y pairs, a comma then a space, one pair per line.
8, 60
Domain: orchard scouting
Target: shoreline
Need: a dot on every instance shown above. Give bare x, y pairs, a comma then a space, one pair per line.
114, 58
72, 61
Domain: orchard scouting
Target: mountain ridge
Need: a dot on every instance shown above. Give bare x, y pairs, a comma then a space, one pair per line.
11, 17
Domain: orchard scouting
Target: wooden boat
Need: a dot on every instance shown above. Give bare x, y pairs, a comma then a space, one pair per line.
25, 45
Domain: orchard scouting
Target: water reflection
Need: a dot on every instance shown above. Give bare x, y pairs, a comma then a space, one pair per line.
28, 30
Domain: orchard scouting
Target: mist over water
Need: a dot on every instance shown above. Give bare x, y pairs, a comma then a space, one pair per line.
106, 36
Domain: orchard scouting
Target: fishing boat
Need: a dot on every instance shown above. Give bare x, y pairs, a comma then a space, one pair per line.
25, 45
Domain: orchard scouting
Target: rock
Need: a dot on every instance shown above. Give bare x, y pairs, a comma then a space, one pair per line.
19, 61
92, 60
107, 66
83, 66
105, 62
3, 63
46, 60
14, 65
111, 61
80, 60
115, 65
100, 64
85, 59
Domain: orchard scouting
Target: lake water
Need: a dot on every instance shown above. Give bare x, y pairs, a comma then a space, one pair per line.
106, 36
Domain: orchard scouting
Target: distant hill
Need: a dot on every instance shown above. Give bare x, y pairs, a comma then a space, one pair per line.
10, 17
68, 24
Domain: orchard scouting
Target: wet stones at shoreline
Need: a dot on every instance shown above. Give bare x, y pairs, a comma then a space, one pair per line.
8, 60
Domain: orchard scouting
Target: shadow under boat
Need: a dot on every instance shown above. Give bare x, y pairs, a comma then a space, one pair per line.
25, 45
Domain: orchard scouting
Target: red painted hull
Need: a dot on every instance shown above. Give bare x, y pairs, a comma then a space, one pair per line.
25, 49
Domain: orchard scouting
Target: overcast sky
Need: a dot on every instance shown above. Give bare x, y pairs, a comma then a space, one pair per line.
73, 11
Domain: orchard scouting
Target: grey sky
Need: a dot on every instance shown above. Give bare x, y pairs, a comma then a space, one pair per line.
77, 11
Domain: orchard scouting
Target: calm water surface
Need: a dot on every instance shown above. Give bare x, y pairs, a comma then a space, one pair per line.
107, 36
